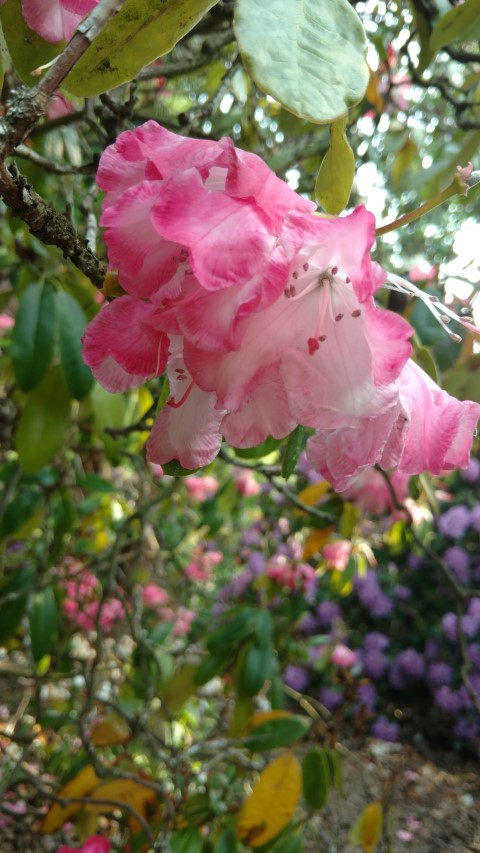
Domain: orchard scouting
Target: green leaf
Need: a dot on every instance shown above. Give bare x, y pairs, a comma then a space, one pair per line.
43, 422
263, 627
255, 670
27, 50
424, 358
264, 449
337, 171
292, 844
186, 841
461, 22
238, 628
33, 335
293, 448
140, 32
43, 622
308, 55
212, 666
72, 324
422, 28
13, 609
317, 778
463, 381
227, 843
174, 469
275, 733
23, 507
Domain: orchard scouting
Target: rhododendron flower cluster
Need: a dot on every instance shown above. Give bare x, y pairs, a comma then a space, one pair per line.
261, 313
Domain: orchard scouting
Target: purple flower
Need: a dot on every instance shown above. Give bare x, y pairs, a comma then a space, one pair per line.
411, 662
296, 677
414, 562
472, 473
473, 650
440, 673
367, 696
431, 649
448, 700
467, 729
469, 626
375, 663
475, 518
327, 613
308, 625
371, 596
403, 593
457, 559
256, 563
449, 625
375, 640
330, 698
454, 522
383, 729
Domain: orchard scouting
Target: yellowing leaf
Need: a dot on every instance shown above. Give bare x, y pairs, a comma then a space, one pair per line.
367, 831
80, 786
272, 803
121, 791
110, 731
315, 542
372, 94
265, 717
312, 494
337, 171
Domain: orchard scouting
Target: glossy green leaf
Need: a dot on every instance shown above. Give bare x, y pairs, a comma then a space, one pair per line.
263, 627
13, 601
43, 422
264, 449
292, 844
33, 335
293, 448
308, 55
336, 173
43, 622
238, 628
72, 324
139, 33
461, 22
27, 50
210, 667
317, 778
174, 469
276, 733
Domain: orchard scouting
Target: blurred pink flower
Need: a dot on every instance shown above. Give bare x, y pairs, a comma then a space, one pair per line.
337, 553
343, 657
292, 575
201, 488
183, 621
245, 483
370, 493
94, 844
58, 106
153, 595
6, 322
422, 273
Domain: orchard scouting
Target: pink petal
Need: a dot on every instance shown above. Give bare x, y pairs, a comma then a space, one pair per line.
124, 163
388, 337
229, 239
265, 413
436, 429
144, 261
121, 347
55, 20
190, 433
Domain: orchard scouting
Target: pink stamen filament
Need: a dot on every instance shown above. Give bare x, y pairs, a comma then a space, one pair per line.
175, 405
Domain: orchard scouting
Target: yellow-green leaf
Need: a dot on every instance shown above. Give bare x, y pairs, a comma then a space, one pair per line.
463, 21
80, 786
138, 34
272, 803
43, 422
27, 50
367, 830
337, 171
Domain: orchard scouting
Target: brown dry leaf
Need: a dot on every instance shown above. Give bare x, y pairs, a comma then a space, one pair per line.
110, 731
315, 542
80, 786
272, 803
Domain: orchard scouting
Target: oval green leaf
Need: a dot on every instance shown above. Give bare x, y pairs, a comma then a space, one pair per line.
337, 171
309, 55
21, 509
27, 50
72, 324
256, 669
317, 778
461, 22
275, 733
43, 422
293, 448
34, 335
43, 622
140, 32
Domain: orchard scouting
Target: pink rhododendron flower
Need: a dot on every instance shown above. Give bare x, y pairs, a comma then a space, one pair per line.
59, 106
201, 488
94, 844
55, 20
245, 483
369, 491
292, 575
261, 314
343, 657
337, 554
153, 595
183, 621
